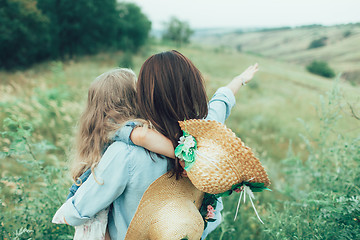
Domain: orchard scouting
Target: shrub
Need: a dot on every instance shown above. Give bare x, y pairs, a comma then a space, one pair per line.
318, 43
239, 47
347, 33
30, 199
321, 68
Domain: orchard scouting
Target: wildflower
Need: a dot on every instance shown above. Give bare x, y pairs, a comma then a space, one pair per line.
238, 190
210, 213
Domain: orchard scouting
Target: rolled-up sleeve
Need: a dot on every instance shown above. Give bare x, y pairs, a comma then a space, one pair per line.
123, 134
221, 104
100, 190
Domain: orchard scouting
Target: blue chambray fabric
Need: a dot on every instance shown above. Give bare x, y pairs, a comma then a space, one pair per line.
75, 186
120, 135
125, 171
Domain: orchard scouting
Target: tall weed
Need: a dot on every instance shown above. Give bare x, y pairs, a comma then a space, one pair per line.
50, 107
315, 198
322, 193
30, 199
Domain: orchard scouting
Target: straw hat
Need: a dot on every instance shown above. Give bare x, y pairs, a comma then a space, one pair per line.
168, 210
222, 159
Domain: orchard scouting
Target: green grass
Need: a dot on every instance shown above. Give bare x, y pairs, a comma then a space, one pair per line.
285, 115
291, 45
267, 113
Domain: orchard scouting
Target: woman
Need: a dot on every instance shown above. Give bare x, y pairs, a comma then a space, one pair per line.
170, 88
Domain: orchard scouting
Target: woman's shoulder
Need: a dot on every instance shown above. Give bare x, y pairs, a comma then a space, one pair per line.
125, 151
137, 159
117, 153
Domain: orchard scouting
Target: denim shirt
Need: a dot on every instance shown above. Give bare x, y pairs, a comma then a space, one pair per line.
125, 172
120, 135
75, 186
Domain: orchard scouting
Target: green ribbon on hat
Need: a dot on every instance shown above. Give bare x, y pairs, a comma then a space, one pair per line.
254, 186
186, 150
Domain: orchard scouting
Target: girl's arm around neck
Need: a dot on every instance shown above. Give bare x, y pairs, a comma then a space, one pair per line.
152, 141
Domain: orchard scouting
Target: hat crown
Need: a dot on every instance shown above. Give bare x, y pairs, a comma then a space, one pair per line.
168, 210
222, 159
176, 220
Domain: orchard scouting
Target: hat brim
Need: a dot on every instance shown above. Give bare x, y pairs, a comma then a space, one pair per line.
168, 210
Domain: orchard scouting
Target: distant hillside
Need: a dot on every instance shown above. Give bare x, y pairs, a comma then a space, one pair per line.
341, 49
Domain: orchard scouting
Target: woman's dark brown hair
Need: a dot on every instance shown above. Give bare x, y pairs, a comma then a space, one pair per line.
170, 89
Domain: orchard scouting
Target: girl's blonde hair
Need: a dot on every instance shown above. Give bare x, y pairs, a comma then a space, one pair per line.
111, 102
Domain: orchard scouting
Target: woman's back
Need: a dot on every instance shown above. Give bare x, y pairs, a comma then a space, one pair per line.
134, 177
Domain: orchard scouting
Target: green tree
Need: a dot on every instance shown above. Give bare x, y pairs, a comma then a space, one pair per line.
133, 27
32, 31
82, 26
24, 33
177, 31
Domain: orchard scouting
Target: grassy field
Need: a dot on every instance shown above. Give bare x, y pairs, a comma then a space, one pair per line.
341, 48
293, 120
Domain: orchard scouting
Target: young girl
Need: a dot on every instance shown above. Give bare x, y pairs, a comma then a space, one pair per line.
111, 102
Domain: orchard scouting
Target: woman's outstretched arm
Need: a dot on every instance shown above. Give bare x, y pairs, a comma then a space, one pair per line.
243, 78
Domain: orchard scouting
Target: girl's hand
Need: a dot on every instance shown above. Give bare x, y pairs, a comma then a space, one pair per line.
243, 78
153, 141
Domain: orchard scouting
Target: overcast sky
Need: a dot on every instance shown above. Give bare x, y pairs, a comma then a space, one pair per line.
251, 13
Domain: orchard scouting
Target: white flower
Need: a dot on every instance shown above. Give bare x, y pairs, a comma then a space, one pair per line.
181, 140
188, 142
